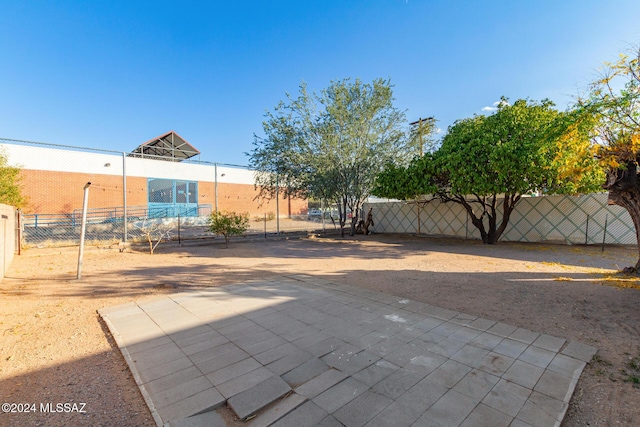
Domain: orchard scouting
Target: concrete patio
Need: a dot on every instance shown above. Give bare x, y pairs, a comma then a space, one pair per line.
300, 351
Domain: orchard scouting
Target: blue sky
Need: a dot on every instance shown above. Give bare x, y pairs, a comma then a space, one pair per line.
113, 74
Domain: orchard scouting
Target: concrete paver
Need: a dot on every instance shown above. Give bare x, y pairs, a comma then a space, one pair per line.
483, 415
255, 398
507, 397
375, 373
290, 362
450, 410
305, 372
340, 394
208, 419
278, 411
234, 371
307, 415
298, 351
321, 383
204, 401
362, 409
243, 382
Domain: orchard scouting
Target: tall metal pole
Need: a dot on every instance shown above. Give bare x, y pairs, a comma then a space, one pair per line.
19, 231
124, 196
421, 143
322, 208
83, 228
215, 168
277, 207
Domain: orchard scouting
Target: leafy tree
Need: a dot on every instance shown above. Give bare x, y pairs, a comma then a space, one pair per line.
487, 163
614, 102
228, 224
10, 193
331, 146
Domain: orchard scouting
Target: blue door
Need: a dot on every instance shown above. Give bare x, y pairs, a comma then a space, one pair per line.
170, 198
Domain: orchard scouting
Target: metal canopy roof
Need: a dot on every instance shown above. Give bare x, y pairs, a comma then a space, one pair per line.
169, 146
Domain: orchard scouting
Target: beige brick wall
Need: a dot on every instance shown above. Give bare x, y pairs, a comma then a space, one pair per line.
244, 198
52, 192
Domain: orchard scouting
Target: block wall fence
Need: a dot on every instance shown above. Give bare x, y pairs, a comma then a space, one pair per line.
8, 236
583, 219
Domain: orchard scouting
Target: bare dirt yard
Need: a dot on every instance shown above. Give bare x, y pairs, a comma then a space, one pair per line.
55, 349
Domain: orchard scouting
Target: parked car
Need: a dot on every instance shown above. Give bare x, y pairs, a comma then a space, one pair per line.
333, 213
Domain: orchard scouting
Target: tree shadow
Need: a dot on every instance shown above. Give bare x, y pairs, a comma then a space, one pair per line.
573, 305
173, 267
398, 246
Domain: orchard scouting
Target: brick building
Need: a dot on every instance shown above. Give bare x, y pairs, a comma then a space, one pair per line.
158, 174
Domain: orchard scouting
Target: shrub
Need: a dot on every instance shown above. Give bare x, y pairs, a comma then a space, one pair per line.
228, 224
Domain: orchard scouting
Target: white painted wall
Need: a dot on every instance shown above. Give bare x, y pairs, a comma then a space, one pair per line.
52, 159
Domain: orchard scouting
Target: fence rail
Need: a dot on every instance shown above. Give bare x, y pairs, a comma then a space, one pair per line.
107, 225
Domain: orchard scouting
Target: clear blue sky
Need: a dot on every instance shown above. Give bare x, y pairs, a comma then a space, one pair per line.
113, 74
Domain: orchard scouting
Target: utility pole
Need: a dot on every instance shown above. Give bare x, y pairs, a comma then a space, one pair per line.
419, 127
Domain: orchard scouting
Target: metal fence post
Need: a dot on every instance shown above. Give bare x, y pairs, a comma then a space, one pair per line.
19, 231
215, 170
466, 226
322, 212
5, 262
277, 207
83, 228
124, 197
604, 235
586, 233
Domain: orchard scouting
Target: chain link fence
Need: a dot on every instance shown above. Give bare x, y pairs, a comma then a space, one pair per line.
584, 219
129, 194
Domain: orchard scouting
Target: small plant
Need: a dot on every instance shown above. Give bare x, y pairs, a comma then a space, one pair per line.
155, 231
228, 224
633, 376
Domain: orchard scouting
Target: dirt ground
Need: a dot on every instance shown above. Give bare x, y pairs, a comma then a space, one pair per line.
55, 349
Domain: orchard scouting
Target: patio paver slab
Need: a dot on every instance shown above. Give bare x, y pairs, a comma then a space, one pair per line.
338, 354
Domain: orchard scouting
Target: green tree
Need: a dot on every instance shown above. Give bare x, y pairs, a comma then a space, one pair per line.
228, 224
614, 102
10, 193
331, 146
487, 163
